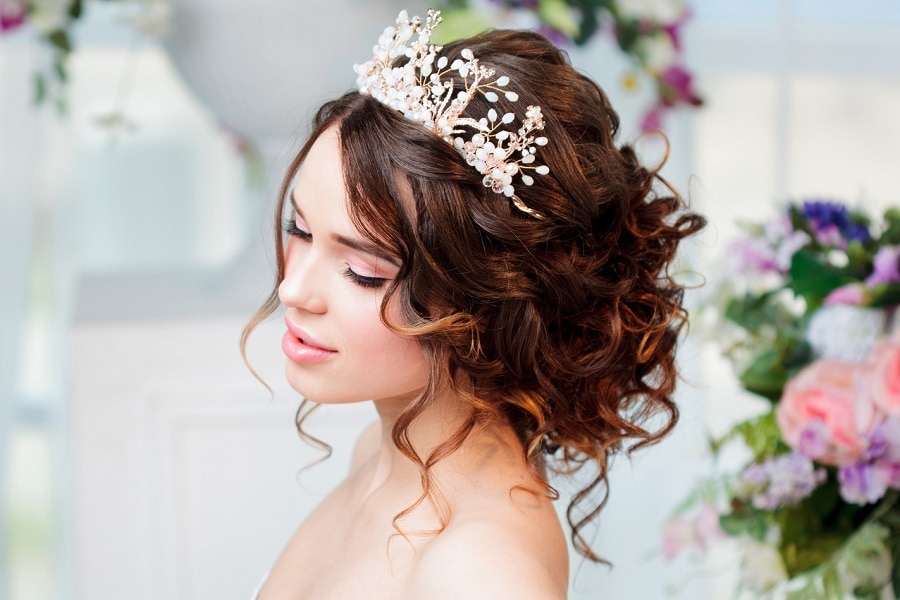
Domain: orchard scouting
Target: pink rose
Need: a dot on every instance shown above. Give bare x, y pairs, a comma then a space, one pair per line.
821, 401
682, 533
852, 294
679, 534
881, 380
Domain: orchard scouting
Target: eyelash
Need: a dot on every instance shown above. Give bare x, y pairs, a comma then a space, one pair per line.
290, 228
362, 280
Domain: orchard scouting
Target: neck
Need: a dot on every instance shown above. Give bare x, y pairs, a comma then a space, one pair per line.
440, 420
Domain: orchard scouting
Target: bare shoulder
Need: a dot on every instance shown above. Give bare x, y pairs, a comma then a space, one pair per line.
498, 556
366, 445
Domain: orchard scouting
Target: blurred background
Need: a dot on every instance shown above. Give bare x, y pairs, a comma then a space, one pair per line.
138, 456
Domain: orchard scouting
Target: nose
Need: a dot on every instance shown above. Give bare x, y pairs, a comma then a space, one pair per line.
302, 286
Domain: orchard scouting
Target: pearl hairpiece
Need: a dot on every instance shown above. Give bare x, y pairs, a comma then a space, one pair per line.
423, 92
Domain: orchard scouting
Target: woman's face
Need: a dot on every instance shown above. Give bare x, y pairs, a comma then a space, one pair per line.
338, 349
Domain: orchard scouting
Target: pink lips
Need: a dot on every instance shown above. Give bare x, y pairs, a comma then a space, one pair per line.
300, 347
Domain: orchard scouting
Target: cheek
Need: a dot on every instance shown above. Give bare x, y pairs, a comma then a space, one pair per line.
397, 347
400, 363
390, 354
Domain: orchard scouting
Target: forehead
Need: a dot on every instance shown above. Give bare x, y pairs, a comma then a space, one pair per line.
368, 161
321, 173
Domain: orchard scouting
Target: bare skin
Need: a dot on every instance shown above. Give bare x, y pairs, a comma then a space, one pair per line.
501, 541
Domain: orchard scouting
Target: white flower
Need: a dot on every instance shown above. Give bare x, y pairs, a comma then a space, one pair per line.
761, 566
657, 11
154, 19
657, 51
48, 16
779, 234
845, 332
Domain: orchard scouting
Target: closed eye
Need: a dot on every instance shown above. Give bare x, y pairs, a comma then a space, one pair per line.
290, 228
363, 280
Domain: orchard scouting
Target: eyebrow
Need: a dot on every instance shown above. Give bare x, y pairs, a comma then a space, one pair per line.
352, 243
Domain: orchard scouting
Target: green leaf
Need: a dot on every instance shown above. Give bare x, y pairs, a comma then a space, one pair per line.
590, 21
807, 592
885, 295
628, 32
859, 260
808, 553
59, 39
825, 499
797, 354
75, 9
747, 311
558, 15
895, 575
891, 234
832, 585
59, 67
813, 279
798, 221
762, 435
459, 24
60, 103
761, 312
766, 375
752, 523
867, 555
40, 88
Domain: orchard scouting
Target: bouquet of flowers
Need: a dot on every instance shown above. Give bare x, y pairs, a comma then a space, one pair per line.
810, 324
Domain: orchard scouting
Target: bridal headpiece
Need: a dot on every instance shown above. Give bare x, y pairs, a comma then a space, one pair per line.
422, 89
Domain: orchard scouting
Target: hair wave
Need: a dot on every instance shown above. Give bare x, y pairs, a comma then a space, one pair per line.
565, 326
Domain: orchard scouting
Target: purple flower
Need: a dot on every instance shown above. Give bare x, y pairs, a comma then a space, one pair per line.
769, 253
752, 256
781, 481
867, 480
831, 224
755, 475
883, 441
678, 86
673, 30
885, 266
554, 35
12, 14
814, 440
652, 119
877, 443
884, 450
888, 472
860, 483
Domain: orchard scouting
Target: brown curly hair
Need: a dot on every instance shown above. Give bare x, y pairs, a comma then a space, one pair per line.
565, 326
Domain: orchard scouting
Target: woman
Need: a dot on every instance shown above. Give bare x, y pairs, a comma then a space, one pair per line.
467, 248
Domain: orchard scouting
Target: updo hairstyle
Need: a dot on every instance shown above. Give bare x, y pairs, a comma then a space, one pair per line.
564, 326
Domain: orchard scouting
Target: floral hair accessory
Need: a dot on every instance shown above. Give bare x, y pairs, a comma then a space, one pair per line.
422, 89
